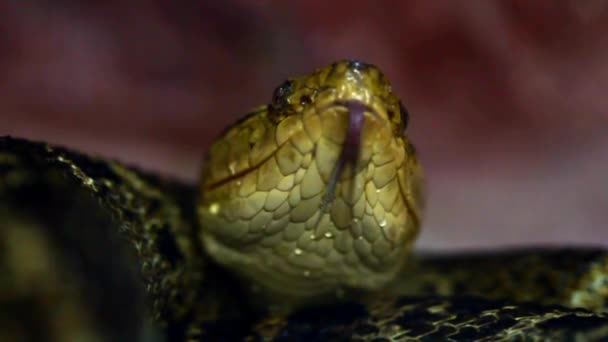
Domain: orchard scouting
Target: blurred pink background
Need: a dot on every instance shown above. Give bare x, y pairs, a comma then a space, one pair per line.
507, 98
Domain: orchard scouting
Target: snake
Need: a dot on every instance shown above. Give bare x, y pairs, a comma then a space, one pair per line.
301, 228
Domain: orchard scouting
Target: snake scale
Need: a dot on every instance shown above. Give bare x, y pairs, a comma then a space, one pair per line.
301, 229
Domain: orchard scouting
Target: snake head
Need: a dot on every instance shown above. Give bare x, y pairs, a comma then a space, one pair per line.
350, 82
316, 192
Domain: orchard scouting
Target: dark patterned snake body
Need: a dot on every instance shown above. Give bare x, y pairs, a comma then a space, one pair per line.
301, 230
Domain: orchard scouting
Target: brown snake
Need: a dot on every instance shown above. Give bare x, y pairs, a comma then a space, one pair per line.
301, 230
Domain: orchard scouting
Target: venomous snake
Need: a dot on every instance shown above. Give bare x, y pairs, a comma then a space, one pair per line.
301, 229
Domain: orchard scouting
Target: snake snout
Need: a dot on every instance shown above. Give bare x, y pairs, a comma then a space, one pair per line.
358, 65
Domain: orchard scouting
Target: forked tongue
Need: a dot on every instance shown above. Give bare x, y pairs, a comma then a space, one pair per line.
350, 150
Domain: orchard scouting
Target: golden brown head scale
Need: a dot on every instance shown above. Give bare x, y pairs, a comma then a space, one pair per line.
317, 192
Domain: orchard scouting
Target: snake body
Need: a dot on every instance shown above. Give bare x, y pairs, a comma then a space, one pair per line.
301, 229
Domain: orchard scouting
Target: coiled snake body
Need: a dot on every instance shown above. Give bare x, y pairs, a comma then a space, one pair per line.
301, 229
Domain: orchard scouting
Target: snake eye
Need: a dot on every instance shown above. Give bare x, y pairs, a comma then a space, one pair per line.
405, 115
282, 92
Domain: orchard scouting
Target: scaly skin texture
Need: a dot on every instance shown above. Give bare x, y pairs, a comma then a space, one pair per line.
93, 250
74, 208
576, 278
318, 192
